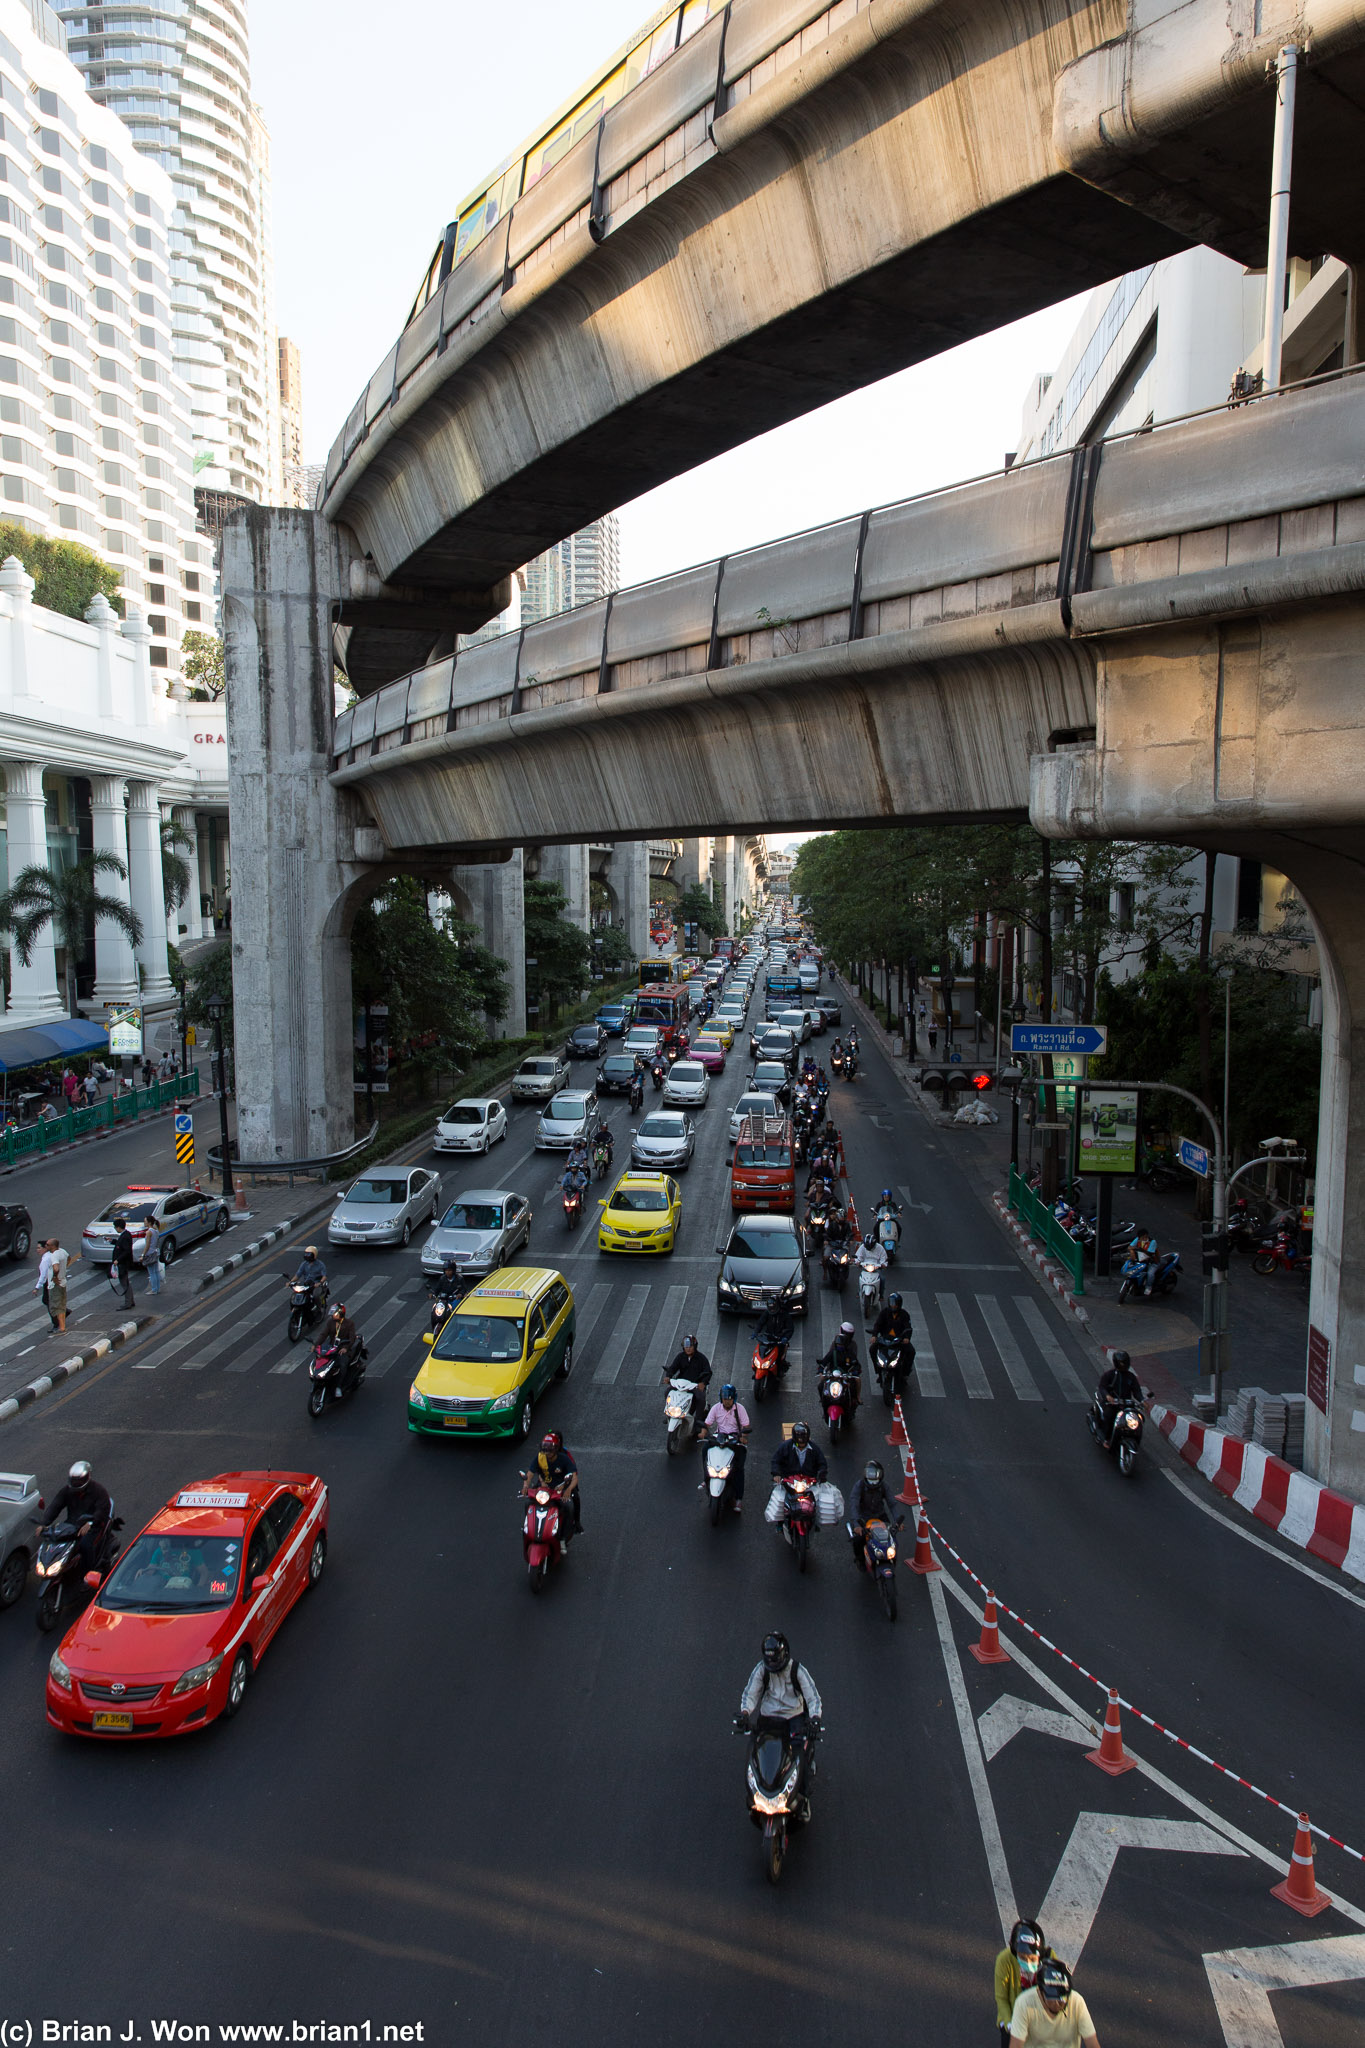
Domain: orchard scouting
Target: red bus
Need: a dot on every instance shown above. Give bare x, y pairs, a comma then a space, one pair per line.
669, 1005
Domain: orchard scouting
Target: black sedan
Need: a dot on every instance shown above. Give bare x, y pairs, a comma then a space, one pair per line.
615, 1074
764, 1255
586, 1042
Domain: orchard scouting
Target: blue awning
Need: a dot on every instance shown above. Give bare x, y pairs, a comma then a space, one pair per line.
34, 1043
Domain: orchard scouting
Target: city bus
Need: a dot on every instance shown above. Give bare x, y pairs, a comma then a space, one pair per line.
667, 1005
656, 970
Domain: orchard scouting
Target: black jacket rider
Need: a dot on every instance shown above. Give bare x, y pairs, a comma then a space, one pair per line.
790, 1462
893, 1324
91, 1504
1120, 1385
870, 1504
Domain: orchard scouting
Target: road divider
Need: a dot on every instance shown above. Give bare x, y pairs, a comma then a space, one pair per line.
251, 1251
1299, 1508
69, 1367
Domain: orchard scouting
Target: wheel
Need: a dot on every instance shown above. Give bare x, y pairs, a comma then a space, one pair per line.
220, 1223
317, 1398
167, 1250
1125, 1289
13, 1577
834, 1429
484, 1147
49, 1608
537, 1574
887, 1588
1263, 1262
717, 1503
317, 1558
237, 1683
676, 1441
801, 1545
523, 1423
295, 1325
1127, 1459
1168, 1284
774, 1850
566, 1364
19, 1243
406, 1239
760, 1391
888, 1389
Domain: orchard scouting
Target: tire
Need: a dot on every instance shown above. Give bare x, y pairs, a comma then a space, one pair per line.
220, 1222
1169, 1283
835, 1430
406, 1238
888, 1389
801, 1545
168, 1249
295, 1325
887, 1588
13, 1577
19, 1243
774, 1852
1125, 1289
317, 1398
675, 1441
317, 1559
537, 1574
566, 1365
523, 1422
49, 1608
484, 1149
760, 1392
238, 1679
1263, 1262
1127, 1459
717, 1503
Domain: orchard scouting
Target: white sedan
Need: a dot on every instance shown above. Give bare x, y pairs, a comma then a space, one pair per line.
470, 1125
686, 1084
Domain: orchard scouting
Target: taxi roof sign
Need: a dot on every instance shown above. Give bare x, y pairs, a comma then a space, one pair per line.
499, 1293
212, 1500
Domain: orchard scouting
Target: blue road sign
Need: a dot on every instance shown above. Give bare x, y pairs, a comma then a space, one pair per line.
183, 1122
1194, 1157
1059, 1038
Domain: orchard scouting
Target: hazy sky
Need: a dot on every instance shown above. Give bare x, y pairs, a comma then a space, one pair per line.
381, 123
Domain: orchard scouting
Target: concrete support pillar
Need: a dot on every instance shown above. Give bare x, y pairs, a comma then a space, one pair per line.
722, 880
630, 879
568, 865
497, 908
116, 979
293, 838
146, 887
190, 913
33, 994
694, 869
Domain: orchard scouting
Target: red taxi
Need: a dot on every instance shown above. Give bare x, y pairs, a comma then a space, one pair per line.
708, 1053
171, 1639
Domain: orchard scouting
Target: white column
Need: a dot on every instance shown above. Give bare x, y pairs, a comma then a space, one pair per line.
630, 878
115, 964
568, 865
33, 992
147, 890
189, 909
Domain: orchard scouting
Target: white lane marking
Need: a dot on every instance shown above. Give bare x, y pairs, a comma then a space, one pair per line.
1078, 1886
188, 1338
1235, 1528
1241, 1980
1011, 1357
614, 1357
1005, 1717
976, 1769
966, 1354
1050, 1351
385, 1359
662, 1345
926, 1378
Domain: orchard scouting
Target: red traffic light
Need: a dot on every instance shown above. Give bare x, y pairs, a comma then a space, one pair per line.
981, 1082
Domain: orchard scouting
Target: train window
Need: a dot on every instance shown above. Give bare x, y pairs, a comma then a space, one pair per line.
589, 117
695, 15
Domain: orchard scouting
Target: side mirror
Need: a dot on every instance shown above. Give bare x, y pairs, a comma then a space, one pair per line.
93, 1581
260, 1582
428, 1338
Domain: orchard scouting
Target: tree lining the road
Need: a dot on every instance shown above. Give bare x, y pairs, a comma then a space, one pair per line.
697, 905
558, 952
438, 981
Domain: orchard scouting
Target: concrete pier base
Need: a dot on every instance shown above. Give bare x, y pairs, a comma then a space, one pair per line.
568, 866
490, 897
630, 880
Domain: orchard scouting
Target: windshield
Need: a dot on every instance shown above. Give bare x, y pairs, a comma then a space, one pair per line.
639, 1200
661, 1127
619, 1063
612, 1010
536, 1067
566, 1109
463, 1113
763, 1155
472, 1216
763, 1244
128, 1212
174, 1575
771, 1072
687, 1070
386, 1191
481, 1340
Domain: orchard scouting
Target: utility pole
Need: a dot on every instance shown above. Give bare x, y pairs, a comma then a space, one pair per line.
1277, 252
1050, 1173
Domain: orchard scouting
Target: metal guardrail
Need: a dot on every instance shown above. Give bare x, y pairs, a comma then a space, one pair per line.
253, 1169
1040, 1223
49, 1134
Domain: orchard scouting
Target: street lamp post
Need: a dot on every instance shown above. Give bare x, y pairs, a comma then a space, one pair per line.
215, 1009
1013, 1077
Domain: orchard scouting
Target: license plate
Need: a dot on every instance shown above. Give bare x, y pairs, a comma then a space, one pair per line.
763, 1205
121, 1722
455, 1422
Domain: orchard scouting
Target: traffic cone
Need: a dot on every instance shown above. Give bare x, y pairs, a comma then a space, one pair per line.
988, 1650
898, 1436
239, 1200
923, 1560
910, 1494
1111, 1756
1299, 1889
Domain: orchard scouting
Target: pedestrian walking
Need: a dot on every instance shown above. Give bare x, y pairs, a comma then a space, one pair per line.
121, 1270
42, 1285
146, 1071
933, 1038
69, 1087
151, 1255
92, 1089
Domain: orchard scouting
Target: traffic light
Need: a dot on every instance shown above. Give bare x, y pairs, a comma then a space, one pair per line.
1217, 1250
981, 1081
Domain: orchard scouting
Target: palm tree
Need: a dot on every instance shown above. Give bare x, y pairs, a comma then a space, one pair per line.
67, 900
176, 873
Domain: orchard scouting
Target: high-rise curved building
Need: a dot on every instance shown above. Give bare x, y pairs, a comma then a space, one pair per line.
178, 76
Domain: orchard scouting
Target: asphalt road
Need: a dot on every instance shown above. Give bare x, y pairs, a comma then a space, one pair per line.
449, 1805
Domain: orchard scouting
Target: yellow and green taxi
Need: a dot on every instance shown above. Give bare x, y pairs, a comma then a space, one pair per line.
641, 1214
721, 1029
509, 1337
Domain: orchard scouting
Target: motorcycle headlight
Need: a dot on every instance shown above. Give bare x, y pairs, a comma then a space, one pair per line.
1132, 1422
200, 1675
416, 1398
836, 1388
891, 1550
503, 1403
58, 1672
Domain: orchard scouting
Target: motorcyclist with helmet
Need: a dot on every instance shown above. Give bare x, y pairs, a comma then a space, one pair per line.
86, 1504
800, 1458
777, 1326
782, 1696
310, 1272
730, 1419
842, 1358
870, 1501
342, 1331
554, 1466
1119, 1388
692, 1363
893, 1324
1016, 1968
872, 1258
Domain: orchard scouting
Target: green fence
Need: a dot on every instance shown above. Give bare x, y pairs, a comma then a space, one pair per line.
1041, 1224
34, 1140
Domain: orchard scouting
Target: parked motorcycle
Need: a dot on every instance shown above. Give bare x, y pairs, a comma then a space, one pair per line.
66, 1585
307, 1305
680, 1413
333, 1375
1126, 1439
541, 1541
893, 1361
1148, 1274
720, 1469
778, 1800
836, 1398
1280, 1254
877, 1558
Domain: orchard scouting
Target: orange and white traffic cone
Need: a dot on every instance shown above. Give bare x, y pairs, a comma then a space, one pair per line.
910, 1493
1299, 1889
898, 1436
239, 1200
923, 1560
1111, 1755
988, 1650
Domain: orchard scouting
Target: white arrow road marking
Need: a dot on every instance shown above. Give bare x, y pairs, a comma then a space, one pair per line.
1073, 1898
1007, 1715
1241, 1980
911, 1203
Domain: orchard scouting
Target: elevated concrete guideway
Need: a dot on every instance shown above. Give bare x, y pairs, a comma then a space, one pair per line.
801, 199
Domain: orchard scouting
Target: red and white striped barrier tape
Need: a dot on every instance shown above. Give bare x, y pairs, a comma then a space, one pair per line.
1127, 1705
1301, 1509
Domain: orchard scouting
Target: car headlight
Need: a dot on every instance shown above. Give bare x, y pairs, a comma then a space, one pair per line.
416, 1398
58, 1672
504, 1402
200, 1675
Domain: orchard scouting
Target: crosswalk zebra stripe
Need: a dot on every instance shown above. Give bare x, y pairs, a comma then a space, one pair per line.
968, 1359
586, 1322
662, 1345
927, 1378
614, 1356
1011, 1357
1051, 1351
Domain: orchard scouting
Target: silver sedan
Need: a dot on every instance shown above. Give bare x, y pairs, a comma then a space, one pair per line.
480, 1230
664, 1142
384, 1207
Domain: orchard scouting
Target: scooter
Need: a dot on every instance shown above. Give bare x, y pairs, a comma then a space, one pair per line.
1279, 1254
767, 1361
1149, 1273
876, 1555
680, 1413
800, 1518
893, 1360
601, 1157
307, 1305
838, 1061
889, 1234
850, 1066
541, 1542
65, 1586
331, 1376
835, 1259
837, 1401
444, 1300
778, 1801
1127, 1432
656, 1074
817, 1215
573, 1206
719, 1465
870, 1284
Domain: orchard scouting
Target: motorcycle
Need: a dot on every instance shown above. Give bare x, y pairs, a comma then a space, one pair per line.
836, 1398
777, 1801
680, 1407
817, 1215
1280, 1254
893, 1360
835, 1259
307, 1304
541, 1541
718, 1466
444, 1300
65, 1585
801, 1517
601, 1158
1148, 1274
1127, 1434
656, 1074
877, 1557
850, 1066
573, 1206
332, 1376
869, 1290
889, 1233
767, 1359
837, 1061
1246, 1227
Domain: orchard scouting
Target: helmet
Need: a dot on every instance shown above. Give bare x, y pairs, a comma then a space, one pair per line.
310, 1251
338, 1310
1025, 1934
871, 1240
727, 1392
551, 1442
689, 1342
801, 1434
845, 1329
1119, 1359
776, 1652
895, 1301
1054, 1980
79, 1476
886, 1195
873, 1473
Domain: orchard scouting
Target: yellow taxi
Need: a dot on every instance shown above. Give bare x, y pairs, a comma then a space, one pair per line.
509, 1337
641, 1214
721, 1029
